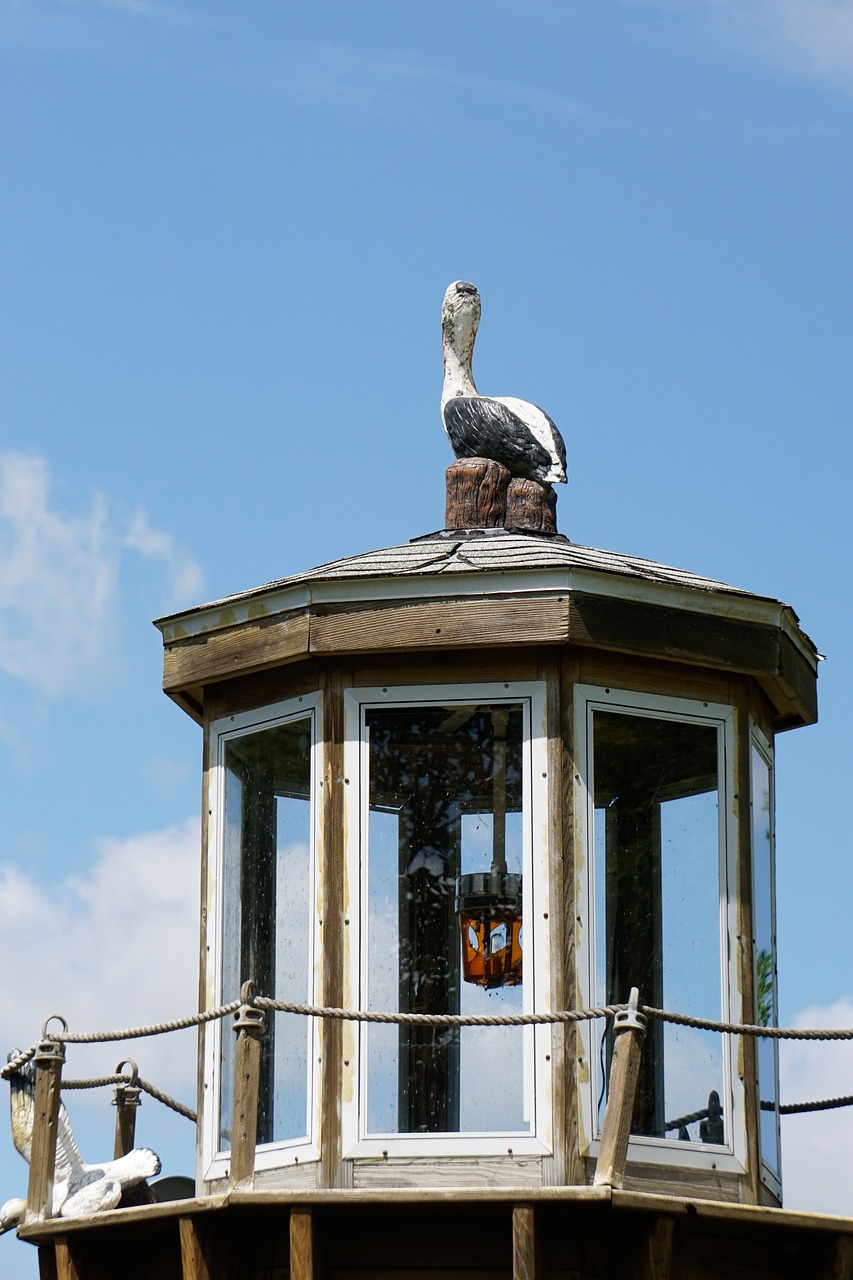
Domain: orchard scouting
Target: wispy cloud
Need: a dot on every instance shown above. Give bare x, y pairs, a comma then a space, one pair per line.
816, 1169
340, 75
60, 575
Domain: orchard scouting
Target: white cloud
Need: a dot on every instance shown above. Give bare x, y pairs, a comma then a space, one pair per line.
113, 948
816, 1169
60, 574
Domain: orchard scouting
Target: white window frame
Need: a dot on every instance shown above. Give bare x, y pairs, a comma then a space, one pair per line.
757, 740
730, 1157
537, 1040
274, 1155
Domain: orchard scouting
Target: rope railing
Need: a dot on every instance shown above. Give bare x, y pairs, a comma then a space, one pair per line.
251, 1010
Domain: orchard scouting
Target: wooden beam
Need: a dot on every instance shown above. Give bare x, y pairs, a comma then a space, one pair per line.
525, 1253
48, 1062
383, 625
196, 1250
303, 1261
655, 1261
232, 651
629, 1030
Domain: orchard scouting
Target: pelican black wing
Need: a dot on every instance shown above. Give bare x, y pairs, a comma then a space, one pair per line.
482, 428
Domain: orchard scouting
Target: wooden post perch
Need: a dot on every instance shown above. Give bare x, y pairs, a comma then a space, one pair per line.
629, 1029
49, 1058
531, 505
476, 494
249, 1026
126, 1100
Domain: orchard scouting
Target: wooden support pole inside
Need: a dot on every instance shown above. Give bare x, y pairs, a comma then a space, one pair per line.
49, 1058
629, 1029
303, 1245
525, 1253
249, 1027
126, 1102
196, 1250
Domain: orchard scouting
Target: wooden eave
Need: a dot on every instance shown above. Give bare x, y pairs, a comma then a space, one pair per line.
718, 628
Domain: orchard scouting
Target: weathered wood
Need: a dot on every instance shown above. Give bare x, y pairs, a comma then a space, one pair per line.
126, 1104
248, 646
629, 1029
839, 1259
48, 1063
302, 1245
572, 854
249, 1026
427, 624
476, 494
334, 1171
524, 1244
531, 505
69, 1264
655, 1260
747, 1046
439, 1175
47, 1262
706, 639
196, 1250
554, 1169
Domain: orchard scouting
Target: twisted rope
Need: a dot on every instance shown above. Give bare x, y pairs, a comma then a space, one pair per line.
748, 1029
439, 1019
153, 1029
99, 1082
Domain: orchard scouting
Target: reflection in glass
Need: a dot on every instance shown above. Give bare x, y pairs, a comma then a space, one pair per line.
657, 909
267, 925
435, 797
764, 931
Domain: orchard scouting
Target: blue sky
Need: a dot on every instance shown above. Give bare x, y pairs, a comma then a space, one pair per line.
226, 231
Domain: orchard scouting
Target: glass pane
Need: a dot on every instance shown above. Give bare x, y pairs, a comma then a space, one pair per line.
765, 956
267, 914
658, 904
444, 862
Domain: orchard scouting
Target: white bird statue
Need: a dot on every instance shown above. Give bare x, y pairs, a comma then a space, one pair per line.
78, 1188
512, 432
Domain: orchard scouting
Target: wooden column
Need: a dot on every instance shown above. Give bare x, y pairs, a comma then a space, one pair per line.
525, 1253
48, 1062
629, 1029
249, 1027
303, 1245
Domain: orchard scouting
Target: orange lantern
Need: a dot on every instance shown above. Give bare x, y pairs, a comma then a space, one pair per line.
489, 907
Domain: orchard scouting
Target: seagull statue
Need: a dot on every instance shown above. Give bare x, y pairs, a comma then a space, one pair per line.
510, 431
78, 1188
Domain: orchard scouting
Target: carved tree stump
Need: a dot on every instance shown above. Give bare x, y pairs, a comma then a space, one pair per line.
531, 505
476, 494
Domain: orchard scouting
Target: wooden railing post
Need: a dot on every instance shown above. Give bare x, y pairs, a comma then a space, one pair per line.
48, 1059
629, 1028
126, 1100
249, 1025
